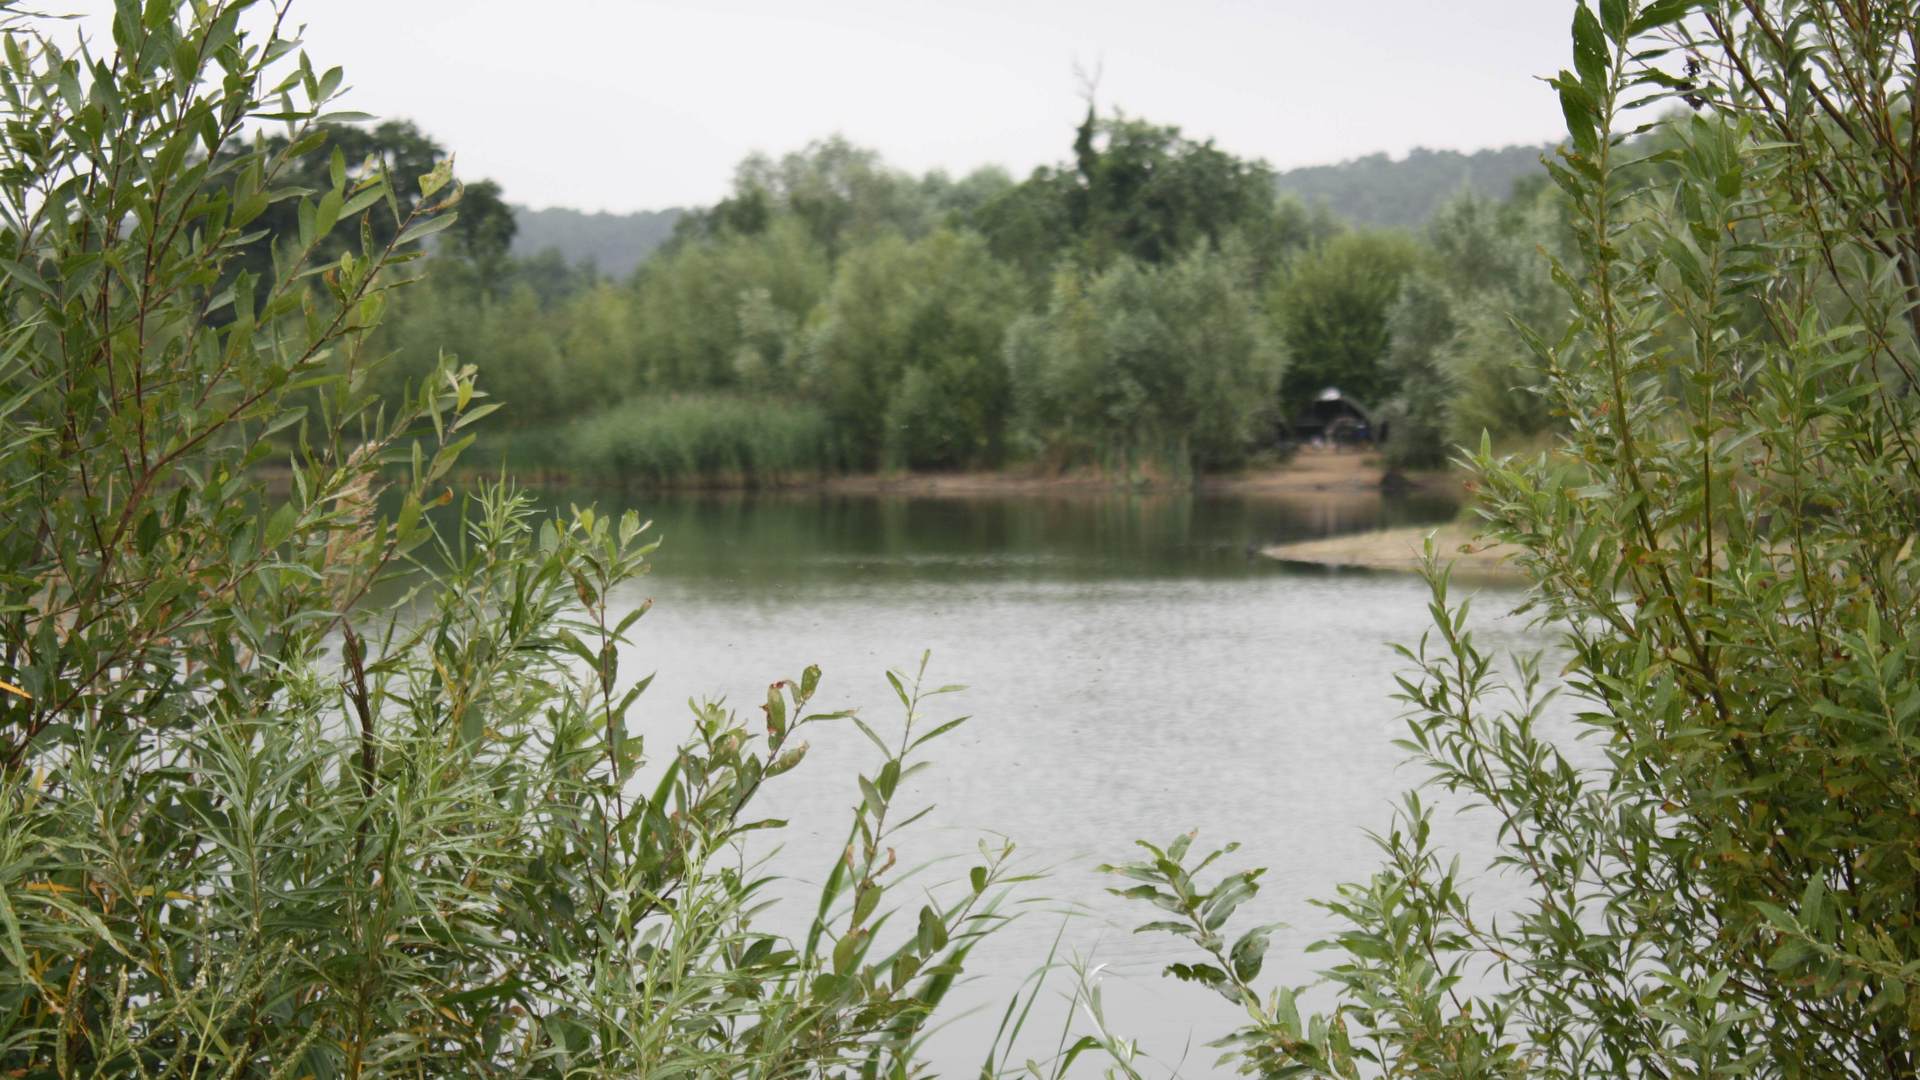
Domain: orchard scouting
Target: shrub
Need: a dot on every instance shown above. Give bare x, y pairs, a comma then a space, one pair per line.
1329, 308
255, 824
1171, 364
938, 306
1459, 366
546, 357
1726, 885
697, 307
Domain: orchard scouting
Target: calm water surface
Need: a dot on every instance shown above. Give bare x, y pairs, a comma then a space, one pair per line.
1133, 671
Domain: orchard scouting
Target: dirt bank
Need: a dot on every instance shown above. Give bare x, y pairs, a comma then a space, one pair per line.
1309, 471
1313, 470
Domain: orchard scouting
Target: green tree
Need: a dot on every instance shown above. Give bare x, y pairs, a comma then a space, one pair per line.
1134, 190
1720, 882
550, 338
1171, 364
1330, 306
1458, 365
396, 149
697, 306
1146, 192
845, 196
484, 233
907, 352
957, 201
1028, 225
1422, 328
548, 273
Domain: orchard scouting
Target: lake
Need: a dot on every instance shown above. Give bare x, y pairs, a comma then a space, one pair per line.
1134, 671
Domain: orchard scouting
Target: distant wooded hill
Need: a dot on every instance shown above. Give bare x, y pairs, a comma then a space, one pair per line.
1376, 190
613, 243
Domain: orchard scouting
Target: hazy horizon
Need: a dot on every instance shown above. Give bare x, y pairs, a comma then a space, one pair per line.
1016, 174
602, 106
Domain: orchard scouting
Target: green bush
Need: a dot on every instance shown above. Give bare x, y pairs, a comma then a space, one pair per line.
546, 357
256, 822
700, 308
1329, 309
938, 306
1723, 883
1458, 366
1171, 365
1424, 328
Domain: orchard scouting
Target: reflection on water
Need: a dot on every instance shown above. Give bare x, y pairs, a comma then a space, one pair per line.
1134, 672
784, 541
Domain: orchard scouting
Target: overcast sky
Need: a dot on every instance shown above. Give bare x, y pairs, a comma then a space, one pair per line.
622, 105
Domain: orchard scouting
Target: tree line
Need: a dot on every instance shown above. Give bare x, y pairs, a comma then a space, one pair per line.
1374, 190
1148, 305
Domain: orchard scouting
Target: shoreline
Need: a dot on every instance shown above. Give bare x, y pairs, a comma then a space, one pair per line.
1400, 550
1309, 472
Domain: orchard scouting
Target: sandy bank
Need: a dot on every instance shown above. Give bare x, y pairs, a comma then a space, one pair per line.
1400, 549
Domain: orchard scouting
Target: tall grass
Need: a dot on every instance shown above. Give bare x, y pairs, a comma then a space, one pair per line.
687, 441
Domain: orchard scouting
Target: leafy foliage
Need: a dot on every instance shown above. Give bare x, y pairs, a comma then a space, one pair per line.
1330, 307
1170, 364
827, 281
299, 780
1724, 884
843, 195
550, 357
906, 355
481, 236
701, 317
1133, 191
1461, 367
